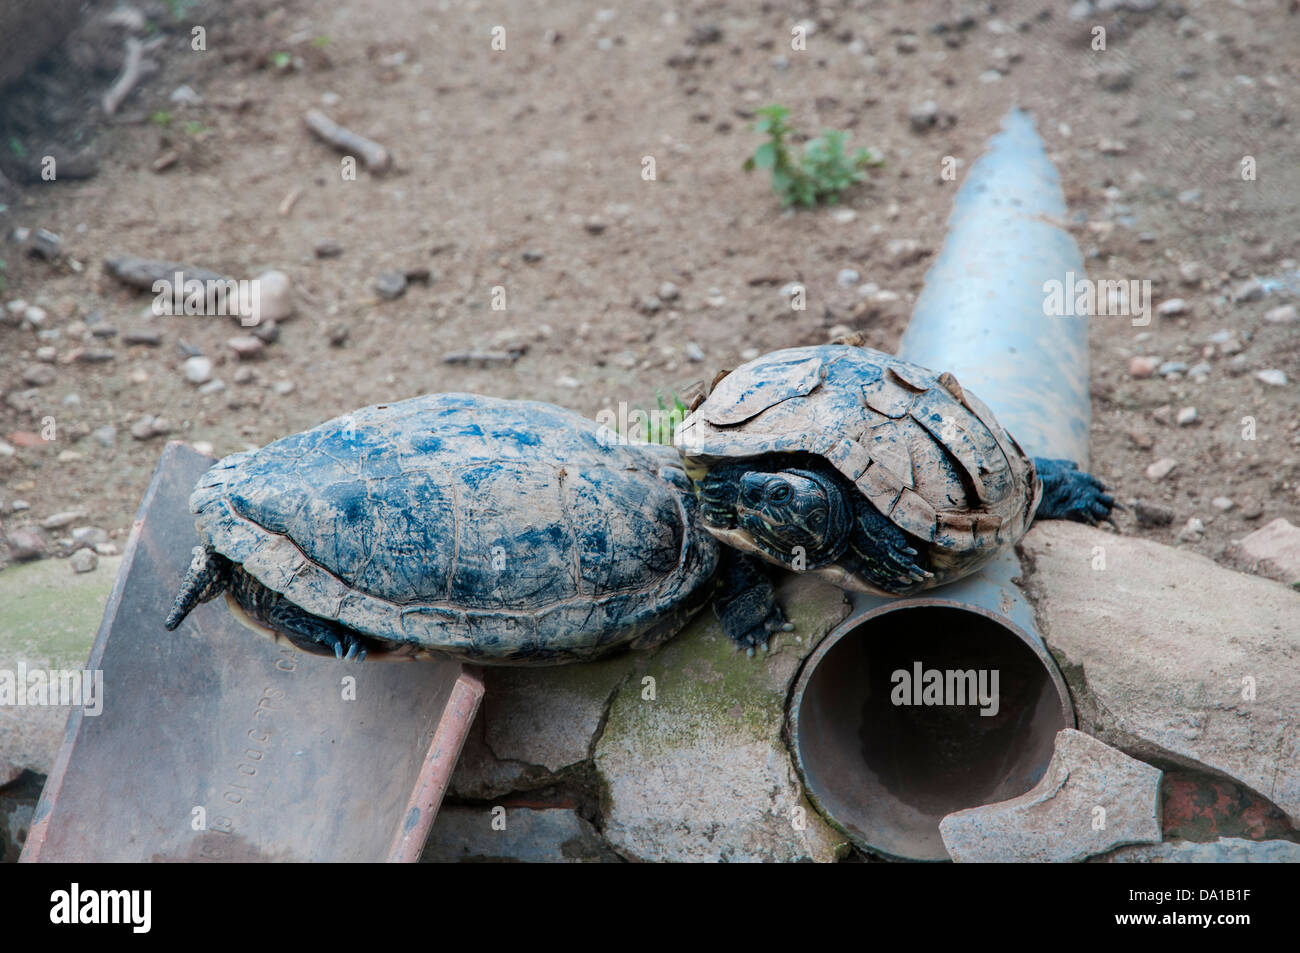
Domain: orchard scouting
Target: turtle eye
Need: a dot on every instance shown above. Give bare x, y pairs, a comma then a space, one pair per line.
780, 494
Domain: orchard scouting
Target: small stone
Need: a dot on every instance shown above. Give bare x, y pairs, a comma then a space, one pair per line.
1251, 509
149, 426
1142, 366
90, 536
274, 296
244, 375
246, 346
1282, 314
905, 251
844, 216
1186, 416
705, 34
204, 447
62, 519
145, 338
1111, 147
84, 560
197, 370
92, 356
47, 354
1191, 272
595, 226
38, 375
106, 549
1250, 290
1272, 551
649, 304
532, 256
1193, 532
1152, 514
1222, 503
907, 43
105, 435
1161, 469
214, 386
25, 543
669, 291
6, 449
924, 115
1189, 197
185, 96
1272, 377
390, 285
337, 335
1199, 370
19, 505
1174, 306
1115, 77
283, 388
694, 352
1172, 367
1141, 438
846, 278
328, 248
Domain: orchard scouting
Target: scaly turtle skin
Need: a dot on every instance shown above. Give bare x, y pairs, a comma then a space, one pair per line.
454, 525
878, 474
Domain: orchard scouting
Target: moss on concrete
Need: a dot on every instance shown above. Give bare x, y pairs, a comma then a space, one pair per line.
49, 613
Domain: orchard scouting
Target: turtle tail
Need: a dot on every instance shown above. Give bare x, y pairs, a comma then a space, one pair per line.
207, 578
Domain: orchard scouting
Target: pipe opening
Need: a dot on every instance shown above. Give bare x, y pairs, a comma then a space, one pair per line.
887, 754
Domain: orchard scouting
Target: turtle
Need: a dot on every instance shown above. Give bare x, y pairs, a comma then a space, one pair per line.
469, 527
877, 474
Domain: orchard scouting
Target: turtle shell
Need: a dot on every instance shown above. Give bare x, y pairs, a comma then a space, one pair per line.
926, 452
483, 529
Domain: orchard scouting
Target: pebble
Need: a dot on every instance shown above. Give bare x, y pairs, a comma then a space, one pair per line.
150, 426
595, 226
1191, 272
1251, 509
1201, 369
649, 304
749, 353
6, 449
1142, 366
185, 95
905, 251
106, 435
532, 255
1115, 77
275, 295
1152, 514
694, 352
843, 216
146, 338
1193, 531
1161, 469
106, 549
38, 375
847, 278
204, 447
390, 285
1282, 314
1272, 377
62, 519
1250, 290
244, 375
92, 356
103, 331
214, 386
25, 543
283, 388
1141, 438
1222, 503
1189, 197
1111, 147
19, 505
669, 291
907, 43
329, 248
47, 354
84, 560
337, 335
1186, 416
923, 115
1172, 367
246, 346
197, 370
1171, 307
35, 316
90, 536
1163, 414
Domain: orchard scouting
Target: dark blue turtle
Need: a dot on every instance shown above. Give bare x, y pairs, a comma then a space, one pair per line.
454, 525
878, 474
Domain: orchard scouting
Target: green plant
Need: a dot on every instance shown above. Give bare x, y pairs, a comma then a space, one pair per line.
194, 128
320, 41
816, 175
656, 426
179, 8
161, 118
17, 148
281, 60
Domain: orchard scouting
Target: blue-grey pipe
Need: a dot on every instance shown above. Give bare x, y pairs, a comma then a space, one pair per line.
982, 313
982, 316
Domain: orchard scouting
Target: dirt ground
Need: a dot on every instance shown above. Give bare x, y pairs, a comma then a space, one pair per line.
521, 169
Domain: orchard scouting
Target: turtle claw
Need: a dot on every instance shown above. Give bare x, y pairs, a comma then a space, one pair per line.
1071, 494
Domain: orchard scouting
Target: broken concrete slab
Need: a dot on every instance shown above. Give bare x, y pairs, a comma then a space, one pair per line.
692, 759
48, 619
1225, 850
516, 834
1092, 799
1172, 658
1272, 551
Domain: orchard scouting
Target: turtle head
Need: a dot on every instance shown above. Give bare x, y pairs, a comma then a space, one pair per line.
793, 513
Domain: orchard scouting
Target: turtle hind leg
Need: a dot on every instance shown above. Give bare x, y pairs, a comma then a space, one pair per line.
747, 606
207, 577
310, 633
1071, 494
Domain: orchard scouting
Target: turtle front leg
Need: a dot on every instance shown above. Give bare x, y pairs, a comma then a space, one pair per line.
308, 632
1071, 494
884, 554
746, 605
